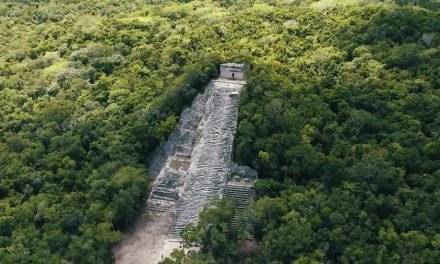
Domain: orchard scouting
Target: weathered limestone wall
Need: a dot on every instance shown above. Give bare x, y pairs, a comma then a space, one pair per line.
232, 71
193, 165
233, 75
211, 157
172, 160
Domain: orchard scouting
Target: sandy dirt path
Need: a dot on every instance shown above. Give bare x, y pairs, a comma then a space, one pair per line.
145, 242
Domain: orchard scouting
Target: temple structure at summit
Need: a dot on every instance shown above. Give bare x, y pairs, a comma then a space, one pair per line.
233, 71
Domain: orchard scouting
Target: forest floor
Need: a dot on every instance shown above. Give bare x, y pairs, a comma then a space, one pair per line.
145, 241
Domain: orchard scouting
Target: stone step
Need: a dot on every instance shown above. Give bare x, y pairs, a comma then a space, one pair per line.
173, 198
234, 189
159, 209
236, 195
238, 187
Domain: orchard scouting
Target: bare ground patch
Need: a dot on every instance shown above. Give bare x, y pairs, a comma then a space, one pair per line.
144, 243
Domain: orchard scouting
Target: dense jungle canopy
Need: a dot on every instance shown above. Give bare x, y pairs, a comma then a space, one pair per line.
340, 116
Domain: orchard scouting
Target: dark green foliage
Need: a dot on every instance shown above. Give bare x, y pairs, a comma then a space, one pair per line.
82, 107
353, 146
344, 132
340, 117
214, 236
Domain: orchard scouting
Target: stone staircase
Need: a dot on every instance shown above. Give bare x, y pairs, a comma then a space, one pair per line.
192, 167
241, 194
211, 158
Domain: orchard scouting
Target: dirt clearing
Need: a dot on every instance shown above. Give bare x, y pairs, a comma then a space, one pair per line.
145, 242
